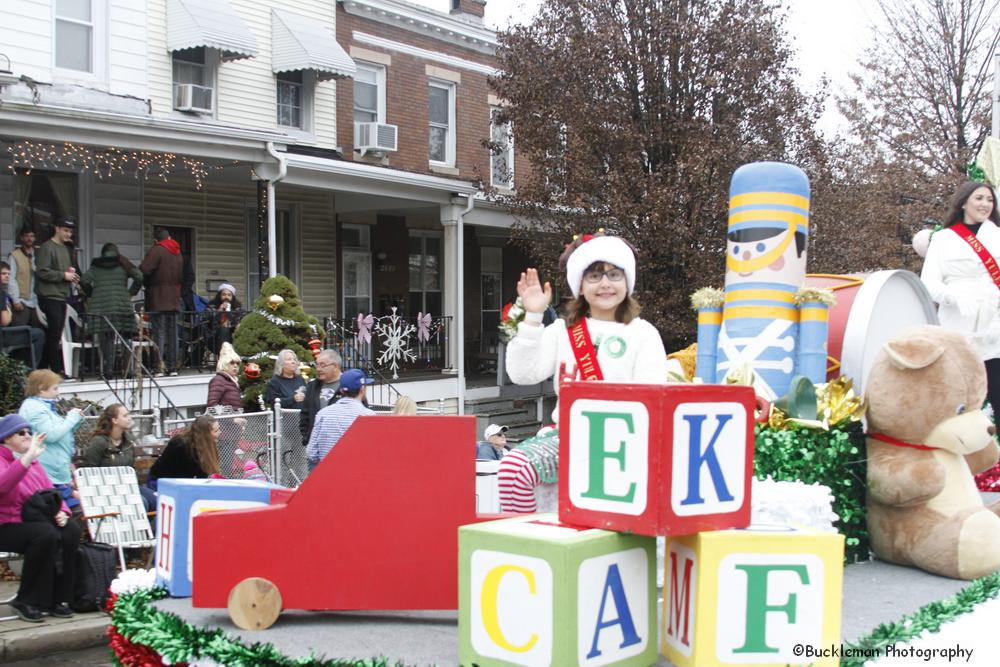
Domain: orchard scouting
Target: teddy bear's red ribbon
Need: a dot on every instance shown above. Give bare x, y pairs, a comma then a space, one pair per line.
899, 443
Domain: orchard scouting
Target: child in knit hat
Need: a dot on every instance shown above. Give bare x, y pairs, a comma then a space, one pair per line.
600, 337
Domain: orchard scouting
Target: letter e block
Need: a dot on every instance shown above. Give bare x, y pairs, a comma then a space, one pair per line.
738, 597
179, 501
535, 592
655, 459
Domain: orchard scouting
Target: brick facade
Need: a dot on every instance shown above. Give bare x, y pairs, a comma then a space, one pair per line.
406, 99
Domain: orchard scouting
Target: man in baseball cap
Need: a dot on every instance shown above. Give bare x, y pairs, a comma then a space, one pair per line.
495, 445
334, 420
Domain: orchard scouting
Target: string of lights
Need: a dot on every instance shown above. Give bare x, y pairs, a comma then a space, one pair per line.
106, 161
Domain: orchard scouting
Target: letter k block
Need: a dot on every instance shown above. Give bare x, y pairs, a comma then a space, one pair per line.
655, 459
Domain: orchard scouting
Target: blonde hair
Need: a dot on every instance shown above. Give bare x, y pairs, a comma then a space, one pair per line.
404, 406
227, 355
40, 380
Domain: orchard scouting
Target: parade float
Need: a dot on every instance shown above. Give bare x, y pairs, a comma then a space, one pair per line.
738, 472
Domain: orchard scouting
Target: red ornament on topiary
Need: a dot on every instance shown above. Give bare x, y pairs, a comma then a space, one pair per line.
251, 371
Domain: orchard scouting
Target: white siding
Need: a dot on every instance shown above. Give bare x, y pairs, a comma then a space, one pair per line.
127, 48
318, 248
118, 216
246, 89
159, 71
26, 36
6, 208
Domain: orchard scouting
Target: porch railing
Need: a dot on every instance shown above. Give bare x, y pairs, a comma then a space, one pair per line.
392, 344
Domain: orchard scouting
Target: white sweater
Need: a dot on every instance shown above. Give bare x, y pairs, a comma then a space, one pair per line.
626, 353
952, 271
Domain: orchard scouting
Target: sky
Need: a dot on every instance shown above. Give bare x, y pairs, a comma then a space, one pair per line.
828, 37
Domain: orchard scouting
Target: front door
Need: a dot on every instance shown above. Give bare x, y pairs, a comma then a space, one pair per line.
357, 282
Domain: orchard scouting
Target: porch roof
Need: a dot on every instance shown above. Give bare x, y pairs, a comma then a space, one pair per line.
55, 123
209, 23
357, 178
301, 43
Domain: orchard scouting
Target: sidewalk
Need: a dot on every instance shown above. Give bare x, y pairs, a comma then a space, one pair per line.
20, 640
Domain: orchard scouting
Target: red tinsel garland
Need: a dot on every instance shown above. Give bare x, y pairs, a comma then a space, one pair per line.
989, 480
132, 655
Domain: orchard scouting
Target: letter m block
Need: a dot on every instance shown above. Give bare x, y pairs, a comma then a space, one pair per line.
738, 597
655, 459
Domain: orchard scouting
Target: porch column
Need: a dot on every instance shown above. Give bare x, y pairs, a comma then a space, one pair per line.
449, 220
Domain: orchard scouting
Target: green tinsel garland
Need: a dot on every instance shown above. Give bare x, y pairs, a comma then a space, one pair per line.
930, 617
139, 622
834, 458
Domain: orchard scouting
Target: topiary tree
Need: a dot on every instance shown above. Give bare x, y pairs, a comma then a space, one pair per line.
273, 325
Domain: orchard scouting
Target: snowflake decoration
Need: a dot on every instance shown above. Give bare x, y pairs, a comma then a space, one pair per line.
395, 333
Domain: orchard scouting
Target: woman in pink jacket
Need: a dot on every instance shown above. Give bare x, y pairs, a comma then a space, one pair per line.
46, 586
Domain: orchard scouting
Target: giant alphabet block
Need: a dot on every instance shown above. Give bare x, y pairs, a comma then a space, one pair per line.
738, 597
655, 459
178, 503
535, 592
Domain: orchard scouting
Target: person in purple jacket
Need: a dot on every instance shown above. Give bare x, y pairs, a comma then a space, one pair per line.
44, 586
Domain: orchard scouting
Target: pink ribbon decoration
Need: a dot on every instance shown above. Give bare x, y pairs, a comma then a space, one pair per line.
423, 323
365, 328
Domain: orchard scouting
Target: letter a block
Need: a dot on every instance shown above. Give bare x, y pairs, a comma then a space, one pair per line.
179, 501
535, 592
655, 459
739, 597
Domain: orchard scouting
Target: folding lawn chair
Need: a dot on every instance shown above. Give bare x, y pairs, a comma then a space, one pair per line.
113, 508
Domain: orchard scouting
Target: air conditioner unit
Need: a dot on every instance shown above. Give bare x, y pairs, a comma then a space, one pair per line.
376, 137
192, 97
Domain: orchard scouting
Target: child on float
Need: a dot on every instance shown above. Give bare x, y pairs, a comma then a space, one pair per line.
603, 319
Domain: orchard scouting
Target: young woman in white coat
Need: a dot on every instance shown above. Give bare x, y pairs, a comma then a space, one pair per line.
967, 288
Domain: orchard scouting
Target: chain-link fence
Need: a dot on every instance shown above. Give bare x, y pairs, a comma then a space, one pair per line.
143, 424
290, 451
244, 443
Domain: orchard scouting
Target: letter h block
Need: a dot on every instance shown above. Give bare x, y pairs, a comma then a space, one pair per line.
179, 501
736, 597
535, 592
655, 459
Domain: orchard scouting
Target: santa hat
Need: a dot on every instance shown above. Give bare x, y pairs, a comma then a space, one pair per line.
610, 249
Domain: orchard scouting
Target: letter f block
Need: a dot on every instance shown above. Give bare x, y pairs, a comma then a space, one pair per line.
535, 592
655, 459
737, 597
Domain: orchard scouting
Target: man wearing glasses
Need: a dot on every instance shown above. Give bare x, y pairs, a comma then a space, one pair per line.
321, 392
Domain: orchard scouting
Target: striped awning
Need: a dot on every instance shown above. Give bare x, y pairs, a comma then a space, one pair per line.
212, 24
299, 43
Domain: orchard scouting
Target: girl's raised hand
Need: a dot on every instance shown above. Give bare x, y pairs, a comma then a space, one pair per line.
534, 296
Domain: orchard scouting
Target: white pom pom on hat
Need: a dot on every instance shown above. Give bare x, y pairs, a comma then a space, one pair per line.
610, 249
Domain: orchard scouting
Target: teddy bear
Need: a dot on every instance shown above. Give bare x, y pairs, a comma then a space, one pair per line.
926, 438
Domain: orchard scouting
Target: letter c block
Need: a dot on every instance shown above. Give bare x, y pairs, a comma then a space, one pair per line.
655, 459
535, 592
739, 597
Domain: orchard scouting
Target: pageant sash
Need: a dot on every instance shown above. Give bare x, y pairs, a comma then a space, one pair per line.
977, 246
583, 350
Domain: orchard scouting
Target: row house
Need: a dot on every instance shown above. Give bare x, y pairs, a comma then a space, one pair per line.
354, 130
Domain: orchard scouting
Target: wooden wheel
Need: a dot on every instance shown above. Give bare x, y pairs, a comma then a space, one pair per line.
254, 604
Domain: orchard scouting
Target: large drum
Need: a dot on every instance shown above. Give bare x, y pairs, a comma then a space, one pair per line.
870, 310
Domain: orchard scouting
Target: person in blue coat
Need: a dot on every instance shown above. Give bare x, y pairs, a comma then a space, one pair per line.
39, 409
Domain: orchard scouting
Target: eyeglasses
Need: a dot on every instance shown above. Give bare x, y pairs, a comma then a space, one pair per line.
325, 365
24, 431
614, 275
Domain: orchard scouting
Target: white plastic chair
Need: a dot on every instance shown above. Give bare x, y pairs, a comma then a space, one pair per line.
113, 508
71, 349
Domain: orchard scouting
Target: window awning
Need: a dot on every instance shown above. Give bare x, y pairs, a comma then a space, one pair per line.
299, 42
212, 24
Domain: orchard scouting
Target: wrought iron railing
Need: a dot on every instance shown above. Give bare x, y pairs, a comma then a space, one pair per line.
393, 344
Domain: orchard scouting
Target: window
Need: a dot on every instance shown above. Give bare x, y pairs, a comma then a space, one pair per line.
369, 94
190, 67
74, 35
502, 153
425, 273
491, 280
290, 96
356, 263
441, 114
